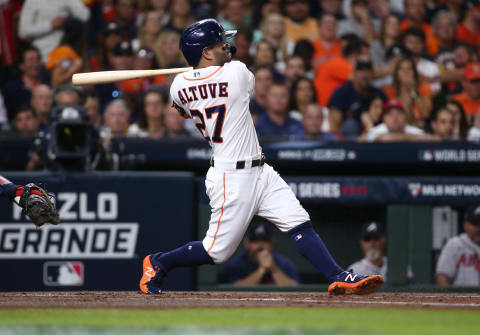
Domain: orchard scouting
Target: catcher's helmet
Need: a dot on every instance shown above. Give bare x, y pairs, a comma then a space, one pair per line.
200, 35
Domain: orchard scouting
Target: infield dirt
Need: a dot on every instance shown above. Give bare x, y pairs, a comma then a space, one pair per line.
131, 299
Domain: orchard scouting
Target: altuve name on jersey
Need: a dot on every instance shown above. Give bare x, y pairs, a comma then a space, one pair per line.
203, 91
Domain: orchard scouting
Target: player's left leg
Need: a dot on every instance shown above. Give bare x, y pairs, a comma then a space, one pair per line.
232, 195
280, 206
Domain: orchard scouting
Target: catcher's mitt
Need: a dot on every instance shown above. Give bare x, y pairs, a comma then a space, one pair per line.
37, 205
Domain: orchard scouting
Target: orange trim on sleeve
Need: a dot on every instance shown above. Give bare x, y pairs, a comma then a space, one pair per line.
203, 77
221, 215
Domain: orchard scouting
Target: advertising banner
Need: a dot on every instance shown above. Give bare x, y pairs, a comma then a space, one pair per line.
109, 223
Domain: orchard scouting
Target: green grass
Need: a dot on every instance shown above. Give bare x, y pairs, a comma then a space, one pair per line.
240, 321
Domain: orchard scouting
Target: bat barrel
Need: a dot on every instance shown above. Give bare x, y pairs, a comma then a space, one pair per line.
105, 77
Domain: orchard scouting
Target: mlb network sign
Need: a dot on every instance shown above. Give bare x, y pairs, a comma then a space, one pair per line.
84, 240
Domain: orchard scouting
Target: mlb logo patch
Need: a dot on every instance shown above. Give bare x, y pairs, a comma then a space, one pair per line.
299, 236
63, 274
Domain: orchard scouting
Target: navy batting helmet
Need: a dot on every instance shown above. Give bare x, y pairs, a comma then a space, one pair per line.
200, 35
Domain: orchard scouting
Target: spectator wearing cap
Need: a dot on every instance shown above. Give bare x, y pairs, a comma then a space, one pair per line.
459, 261
415, 95
372, 242
350, 100
258, 264
326, 45
470, 97
120, 58
394, 127
298, 24
63, 62
443, 124
45, 24
469, 29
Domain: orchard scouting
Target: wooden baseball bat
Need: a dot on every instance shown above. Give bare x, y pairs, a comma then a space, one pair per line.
104, 77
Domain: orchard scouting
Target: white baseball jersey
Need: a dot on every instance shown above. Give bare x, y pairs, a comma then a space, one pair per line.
366, 268
217, 98
460, 261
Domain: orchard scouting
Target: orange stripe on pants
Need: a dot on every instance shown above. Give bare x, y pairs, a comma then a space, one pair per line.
220, 218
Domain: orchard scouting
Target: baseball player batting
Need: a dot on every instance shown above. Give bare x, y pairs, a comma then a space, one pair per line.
239, 184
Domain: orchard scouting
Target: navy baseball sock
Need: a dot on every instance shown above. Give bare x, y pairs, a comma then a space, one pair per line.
311, 246
191, 254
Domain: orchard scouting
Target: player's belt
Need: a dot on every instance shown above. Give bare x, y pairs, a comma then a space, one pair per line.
241, 164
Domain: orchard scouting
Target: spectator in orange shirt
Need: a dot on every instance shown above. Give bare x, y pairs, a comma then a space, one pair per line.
414, 94
337, 71
298, 25
327, 45
469, 29
415, 17
470, 97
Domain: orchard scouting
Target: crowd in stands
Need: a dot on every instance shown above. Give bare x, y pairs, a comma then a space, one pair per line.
325, 70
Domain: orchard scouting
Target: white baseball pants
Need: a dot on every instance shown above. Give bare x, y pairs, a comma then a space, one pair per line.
236, 195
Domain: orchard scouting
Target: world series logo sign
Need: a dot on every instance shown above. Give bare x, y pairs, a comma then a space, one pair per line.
63, 274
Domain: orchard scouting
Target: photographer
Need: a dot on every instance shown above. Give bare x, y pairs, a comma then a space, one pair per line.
71, 143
